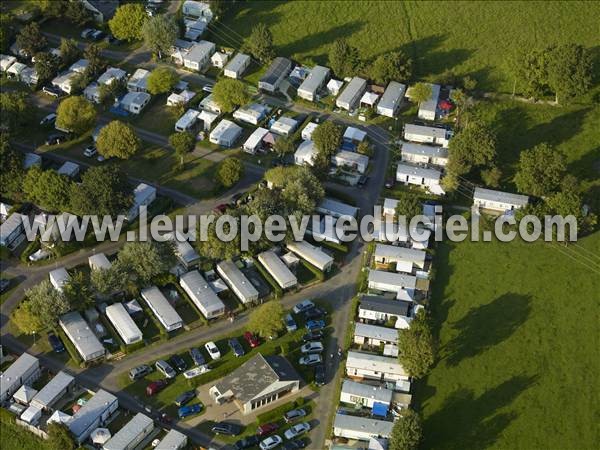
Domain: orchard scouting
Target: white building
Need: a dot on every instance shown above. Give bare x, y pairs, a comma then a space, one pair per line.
284, 126
237, 281
162, 309
335, 208
313, 255
79, 66
254, 141
131, 434
308, 130
123, 323
498, 200
334, 87
251, 114
12, 231
225, 134
202, 295
25, 370
53, 391
59, 278
6, 61
420, 176
306, 153
112, 75
374, 367
219, 59
29, 76
351, 160
428, 108
179, 50
69, 169
427, 134
138, 82
15, 70
208, 103
184, 251
187, 121
364, 395
354, 135
199, 55
351, 95
93, 414
391, 99
276, 73
361, 428
143, 195
374, 335
382, 309
207, 118
174, 440
82, 337
24, 394
390, 281
135, 102
310, 87
182, 98
369, 99
277, 269
31, 159
64, 81
99, 261
236, 67
196, 9
393, 254
424, 154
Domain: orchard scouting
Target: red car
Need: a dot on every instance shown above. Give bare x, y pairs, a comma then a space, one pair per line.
251, 339
220, 209
155, 387
267, 428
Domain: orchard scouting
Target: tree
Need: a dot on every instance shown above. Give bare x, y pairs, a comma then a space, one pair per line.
407, 431
364, 148
159, 33
78, 293
473, 146
417, 346
46, 66
217, 7
30, 39
229, 172
569, 70
27, 319
469, 84
284, 145
128, 21
107, 93
103, 191
48, 302
146, 260
54, 9
217, 249
96, 64
162, 80
343, 58
75, 114
461, 103
108, 281
450, 182
260, 43
118, 139
183, 143
327, 138
541, 170
59, 436
301, 192
6, 31
16, 110
391, 66
77, 14
267, 319
69, 52
409, 206
491, 177
420, 92
11, 162
47, 189
230, 93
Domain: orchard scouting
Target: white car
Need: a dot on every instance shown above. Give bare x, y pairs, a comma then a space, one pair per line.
270, 442
39, 255
312, 347
297, 430
304, 305
196, 371
90, 151
310, 360
212, 350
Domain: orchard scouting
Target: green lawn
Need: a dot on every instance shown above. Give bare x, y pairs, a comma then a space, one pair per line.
14, 436
518, 325
472, 38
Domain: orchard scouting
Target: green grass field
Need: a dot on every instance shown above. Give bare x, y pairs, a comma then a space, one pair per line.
472, 38
518, 326
13, 436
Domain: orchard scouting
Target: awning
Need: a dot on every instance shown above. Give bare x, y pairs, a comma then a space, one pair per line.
380, 409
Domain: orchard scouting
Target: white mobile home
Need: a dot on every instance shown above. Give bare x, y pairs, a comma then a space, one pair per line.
420, 176
369, 99
12, 231
6, 61
187, 121
374, 367
306, 153
112, 75
393, 254
185, 253
93, 414
24, 394
254, 141
277, 269
351, 160
427, 134
498, 200
424, 154
29, 76
69, 169
365, 395
182, 98
25, 370
207, 118
351, 95
15, 70
32, 415
391, 99
373, 335
390, 281
428, 108
135, 102
382, 309
276, 73
99, 261
143, 195
53, 391
225, 133
284, 126
335, 208
59, 278
219, 59
123, 323
199, 55
162, 309
314, 255
174, 440
79, 66
308, 130
208, 103
138, 82
205, 299
313, 83
64, 81
82, 337
237, 66
354, 135
251, 114
131, 434
31, 159
334, 86
237, 281
361, 428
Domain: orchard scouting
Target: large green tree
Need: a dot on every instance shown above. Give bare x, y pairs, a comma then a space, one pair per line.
420, 92
162, 80
230, 94
108, 281
267, 319
408, 206
128, 21
327, 138
217, 249
27, 318
183, 143
569, 70
16, 110
78, 292
119, 140
393, 66
96, 63
12, 173
75, 114
103, 190
59, 436
417, 346
260, 43
46, 66
407, 432
159, 33
473, 146
69, 52
77, 14
6, 31
146, 260
229, 172
30, 39
47, 189
48, 302
284, 145
541, 170
344, 59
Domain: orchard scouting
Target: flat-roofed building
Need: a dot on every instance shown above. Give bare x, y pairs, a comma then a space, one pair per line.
225, 133
312, 254
390, 281
82, 337
254, 141
138, 82
202, 295
187, 121
99, 261
374, 367
131, 434
335, 208
24, 370
498, 200
252, 114
284, 126
351, 95
237, 281
427, 134
428, 108
306, 154
276, 73
198, 56
427, 178
174, 440
365, 395
143, 195
315, 80
393, 254
361, 428
382, 309
123, 323
424, 154
391, 99
53, 391
237, 66
12, 231
351, 160
162, 309
93, 414
277, 269
374, 335
59, 278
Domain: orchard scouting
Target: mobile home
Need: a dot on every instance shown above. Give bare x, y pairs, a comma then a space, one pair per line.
314, 255
277, 269
237, 281
351, 95
202, 295
82, 337
162, 309
123, 323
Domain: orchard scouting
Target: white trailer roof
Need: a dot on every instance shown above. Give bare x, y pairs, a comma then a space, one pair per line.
369, 361
416, 171
82, 337
201, 293
238, 282
401, 280
52, 390
123, 323
277, 268
69, 169
255, 138
501, 197
90, 411
430, 151
99, 261
348, 96
396, 252
188, 119
377, 393
376, 332
336, 208
314, 80
172, 441
160, 306
59, 278
24, 364
393, 94
363, 425
425, 130
126, 435
312, 254
430, 105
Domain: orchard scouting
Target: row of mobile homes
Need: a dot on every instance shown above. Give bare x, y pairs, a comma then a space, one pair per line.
393, 254
310, 87
252, 114
237, 281
25, 370
123, 323
427, 134
53, 391
237, 66
162, 309
313, 255
284, 126
198, 56
336, 209
134, 102
351, 160
225, 134
365, 395
143, 195
255, 140
131, 434
374, 367
202, 295
424, 154
351, 95
374, 335
306, 154
498, 201
59, 278
93, 414
391, 99
428, 108
382, 310
138, 82
83, 338
12, 231
427, 178
99, 261
187, 121
361, 428
277, 269
174, 440
390, 281
276, 73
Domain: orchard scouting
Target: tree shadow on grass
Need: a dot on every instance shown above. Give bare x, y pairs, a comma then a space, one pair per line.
485, 326
468, 421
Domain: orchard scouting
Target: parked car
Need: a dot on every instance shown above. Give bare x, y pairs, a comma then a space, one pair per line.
296, 444
207, 88
227, 428
303, 306
236, 347
362, 180
293, 415
389, 183
247, 442
270, 442
313, 336
192, 373
49, 119
163, 367
190, 410
4, 284
220, 209
314, 313
266, 429
297, 430
290, 325
320, 375
155, 387
185, 397
178, 362
212, 350
39, 255
312, 347
52, 91
97, 35
310, 360
56, 138
197, 356
56, 344
90, 151
139, 372
313, 325
87, 33
251, 339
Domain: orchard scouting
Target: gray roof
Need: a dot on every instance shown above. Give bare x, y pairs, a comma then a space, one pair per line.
425, 130
377, 393
315, 79
200, 51
238, 62
99, 261
106, 7
314, 255
15, 371
49, 393
363, 425
393, 94
499, 196
184, 250
277, 268
355, 86
13, 222
200, 292
397, 252
123, 323
88, 413
396, 279
431, 103
172, 441
430, 151
336, 207
81, 335
278, 68
126, 435
385, 305
233, 276
69, 168
160, 306
256, 375
376, 332
417, 171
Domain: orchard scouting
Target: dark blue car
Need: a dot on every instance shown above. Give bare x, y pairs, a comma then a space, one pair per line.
315, 325
189, 410
56, 343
